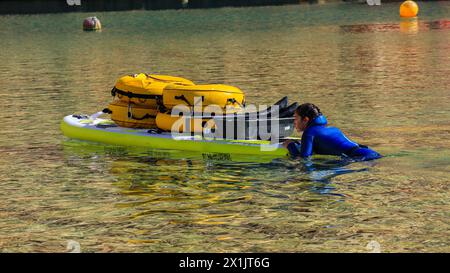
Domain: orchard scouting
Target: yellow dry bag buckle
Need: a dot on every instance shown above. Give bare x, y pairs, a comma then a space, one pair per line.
131, 116
129, 113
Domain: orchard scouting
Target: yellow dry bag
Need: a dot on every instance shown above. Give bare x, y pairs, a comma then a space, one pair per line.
132, 115
144, 89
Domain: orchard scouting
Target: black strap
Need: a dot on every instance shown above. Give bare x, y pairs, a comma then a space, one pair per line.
183, 98
155, 131
146, 116
130, 114
80, 116
130, 95
104, 126
141, 118
233, 100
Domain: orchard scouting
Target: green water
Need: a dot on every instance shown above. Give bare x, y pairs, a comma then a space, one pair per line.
384, 81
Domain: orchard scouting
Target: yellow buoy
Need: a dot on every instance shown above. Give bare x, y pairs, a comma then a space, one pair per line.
409, 9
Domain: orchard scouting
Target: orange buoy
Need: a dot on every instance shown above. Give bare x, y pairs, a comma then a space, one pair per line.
409, 9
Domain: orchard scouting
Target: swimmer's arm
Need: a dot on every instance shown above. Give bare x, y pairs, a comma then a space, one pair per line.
306, 147
293, 147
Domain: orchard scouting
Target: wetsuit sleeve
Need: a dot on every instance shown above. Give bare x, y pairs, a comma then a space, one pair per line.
306, 145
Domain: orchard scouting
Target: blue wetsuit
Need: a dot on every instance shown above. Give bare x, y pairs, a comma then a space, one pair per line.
320, 139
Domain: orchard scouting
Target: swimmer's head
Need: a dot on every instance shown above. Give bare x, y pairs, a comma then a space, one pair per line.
304, 114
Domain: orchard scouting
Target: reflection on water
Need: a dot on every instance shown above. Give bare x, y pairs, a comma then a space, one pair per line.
410, 25
383, 88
